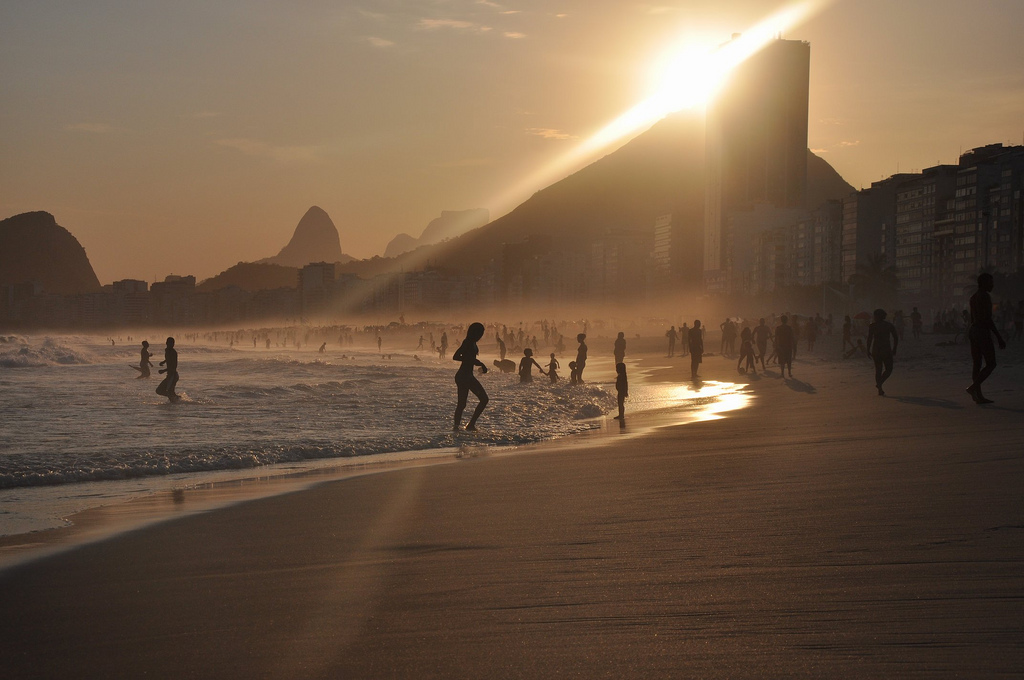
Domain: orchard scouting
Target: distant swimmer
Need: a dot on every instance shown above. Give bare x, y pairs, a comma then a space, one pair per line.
621, 389
166, 388
526, 365
464, 378
696, 348
880, 349
980, 334
144, 363
553, 367
323, 348
581, 360
619, 350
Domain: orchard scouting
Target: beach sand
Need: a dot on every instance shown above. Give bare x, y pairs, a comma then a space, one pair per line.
821, 531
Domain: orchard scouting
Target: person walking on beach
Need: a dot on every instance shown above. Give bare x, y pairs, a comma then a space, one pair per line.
620, 348
621, 389
879, 348
144, 363
671, 335
502, 350
848, 333
553, 367
581, 359
684, 339
696, 348
785, 343
746, 352
761, 336
166, 387
980, 334
526, 365
464, 378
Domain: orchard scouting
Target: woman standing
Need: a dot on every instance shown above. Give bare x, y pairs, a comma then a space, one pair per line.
464, 378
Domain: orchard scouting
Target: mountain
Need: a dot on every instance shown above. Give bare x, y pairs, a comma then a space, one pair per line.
658, 172
315, 240
253, 276
33, 247
450, 224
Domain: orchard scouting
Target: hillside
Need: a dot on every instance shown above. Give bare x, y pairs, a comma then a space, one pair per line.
33, 247
315, 239
253, 276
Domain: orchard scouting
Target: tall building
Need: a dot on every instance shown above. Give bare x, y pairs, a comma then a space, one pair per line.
920, 203
869, 225
756, 150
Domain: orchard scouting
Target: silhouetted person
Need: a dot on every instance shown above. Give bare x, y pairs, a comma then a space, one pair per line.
620, 348
621, 389
981, 331
762, 334
785, 343
581, 359
696, 348
501, 346
847, 333
379, 343
684, 340
268, 343
420, 346
166, 388
444, 342
880, 349
323, 348
526, 365
464, 378
671, 335
728, 337
144, 363
915, 323
746, 352
553, 367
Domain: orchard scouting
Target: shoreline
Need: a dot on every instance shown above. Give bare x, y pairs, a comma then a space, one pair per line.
106, 520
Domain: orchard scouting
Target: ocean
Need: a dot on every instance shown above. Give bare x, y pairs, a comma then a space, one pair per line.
79, 430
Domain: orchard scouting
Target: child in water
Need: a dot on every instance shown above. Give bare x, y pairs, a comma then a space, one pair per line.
621, 389
552, 367
526, 365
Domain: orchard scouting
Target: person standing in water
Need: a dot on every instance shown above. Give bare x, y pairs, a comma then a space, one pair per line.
166, 388
620, 348
144, 363
444, 343
581, 359
464, 378
980, 334
621, 389
879, 348
526, 365
553, 367
696, 348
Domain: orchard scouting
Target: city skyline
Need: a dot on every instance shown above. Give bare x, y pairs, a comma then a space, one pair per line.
131, 122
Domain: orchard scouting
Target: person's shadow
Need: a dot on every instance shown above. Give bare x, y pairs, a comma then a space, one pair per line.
929, 401
800, 386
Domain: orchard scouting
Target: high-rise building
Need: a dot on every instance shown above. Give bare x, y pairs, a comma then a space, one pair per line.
756, 150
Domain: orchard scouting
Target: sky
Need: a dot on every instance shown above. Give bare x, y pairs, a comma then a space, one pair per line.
184, 137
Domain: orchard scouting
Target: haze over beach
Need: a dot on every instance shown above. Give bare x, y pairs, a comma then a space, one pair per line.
470, 338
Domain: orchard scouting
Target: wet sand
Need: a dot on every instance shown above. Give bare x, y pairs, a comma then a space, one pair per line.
822, 531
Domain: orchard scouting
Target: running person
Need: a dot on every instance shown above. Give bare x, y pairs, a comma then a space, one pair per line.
980, 334
464, 378
879, 348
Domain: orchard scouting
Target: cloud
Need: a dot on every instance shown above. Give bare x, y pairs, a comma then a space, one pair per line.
561, 16
819, 151
856, 142
488, 3
514, 35
466, 163
831, 121
549, 133
284, 154
434, 24
379, 42
510, 11
95, 128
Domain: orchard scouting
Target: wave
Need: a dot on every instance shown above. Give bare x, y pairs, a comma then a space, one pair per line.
50, 352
